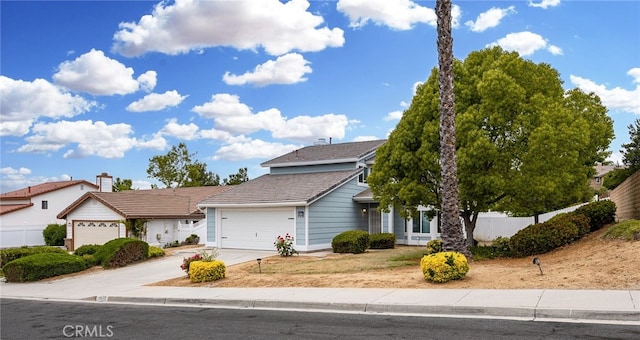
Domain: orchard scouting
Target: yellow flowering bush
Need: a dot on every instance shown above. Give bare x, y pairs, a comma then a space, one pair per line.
444, 266
205, 271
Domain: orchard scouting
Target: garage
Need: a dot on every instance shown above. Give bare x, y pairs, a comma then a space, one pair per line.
92, 232
254, 228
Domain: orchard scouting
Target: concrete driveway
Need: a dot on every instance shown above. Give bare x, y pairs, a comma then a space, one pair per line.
119, 281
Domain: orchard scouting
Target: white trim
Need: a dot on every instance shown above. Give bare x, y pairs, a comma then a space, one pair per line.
252, 205
327, 161
334, 188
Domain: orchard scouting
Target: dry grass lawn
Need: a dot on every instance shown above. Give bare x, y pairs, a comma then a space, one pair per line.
591, 263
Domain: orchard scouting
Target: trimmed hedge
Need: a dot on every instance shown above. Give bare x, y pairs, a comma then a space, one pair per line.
87, 249
41, 266
382, 241
155, 251
352, 241
543, 237
9, 254
205, 271
121, 251
444, 266
600, 213
54, 234
434, 246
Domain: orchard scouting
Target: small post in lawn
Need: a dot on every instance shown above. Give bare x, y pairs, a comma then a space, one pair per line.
536, 261
259, 268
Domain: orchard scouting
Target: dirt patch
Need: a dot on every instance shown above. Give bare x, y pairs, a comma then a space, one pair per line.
591, 263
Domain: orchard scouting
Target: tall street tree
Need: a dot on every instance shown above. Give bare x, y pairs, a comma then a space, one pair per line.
179, 169
524, 145
238, 178
451, 233
631, 151
122, 184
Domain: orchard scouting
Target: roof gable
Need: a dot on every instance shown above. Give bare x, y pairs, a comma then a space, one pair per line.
155, 203
35, 190
326, 153
286, 189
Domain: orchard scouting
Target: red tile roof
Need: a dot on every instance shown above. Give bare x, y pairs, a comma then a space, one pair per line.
43, 188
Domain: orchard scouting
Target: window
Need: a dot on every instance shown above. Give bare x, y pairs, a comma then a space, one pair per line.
45, 204
363, 176
422, 224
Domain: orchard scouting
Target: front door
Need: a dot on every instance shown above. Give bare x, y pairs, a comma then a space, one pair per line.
375, 219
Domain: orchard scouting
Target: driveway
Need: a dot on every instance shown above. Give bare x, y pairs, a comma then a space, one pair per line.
119, 281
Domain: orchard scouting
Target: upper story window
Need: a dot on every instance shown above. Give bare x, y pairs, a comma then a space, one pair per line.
45, 204
363, 176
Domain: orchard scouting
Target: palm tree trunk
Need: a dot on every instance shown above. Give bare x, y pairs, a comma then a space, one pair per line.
452, 237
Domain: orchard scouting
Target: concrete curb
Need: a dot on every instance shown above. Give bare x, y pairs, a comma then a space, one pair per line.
527, 313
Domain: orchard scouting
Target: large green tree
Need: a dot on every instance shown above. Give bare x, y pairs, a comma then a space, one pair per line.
451, 232
122, 184
523, 143
179, 169
238, 178
631, 151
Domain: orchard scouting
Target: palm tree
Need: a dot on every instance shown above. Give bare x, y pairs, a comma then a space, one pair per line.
452, 237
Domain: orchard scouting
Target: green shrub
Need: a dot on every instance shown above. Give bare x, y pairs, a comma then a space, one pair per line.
499, 248
54, 234
444, 266
543, 237
191, 239
434, 246
87, 249
382, 241
628, 230
121, 251
205, 271
9, 254
155, 251
352, 241
41, 266
599, 213
90, 260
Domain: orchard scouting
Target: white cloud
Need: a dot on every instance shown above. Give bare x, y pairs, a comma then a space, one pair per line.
156, 102
525, 43
24, 102
365, 138
544, 4
253, 149
95, 73
490, 18
90, 138
394, 115
396, 14
185, 25
234, 117
13, 179
287, 69
616, 98
182, 131
222, 104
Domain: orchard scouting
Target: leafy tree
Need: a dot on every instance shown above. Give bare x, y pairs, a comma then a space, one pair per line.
137, 227
451, 232
523, 144
238, 178
178, 169
631, 150
122, 184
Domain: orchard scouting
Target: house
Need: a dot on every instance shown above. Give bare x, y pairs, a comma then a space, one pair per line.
169, 214
26, 212
313, 194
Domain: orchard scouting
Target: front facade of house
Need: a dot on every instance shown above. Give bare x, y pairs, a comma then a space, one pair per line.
168, 215
312, 194
25, 213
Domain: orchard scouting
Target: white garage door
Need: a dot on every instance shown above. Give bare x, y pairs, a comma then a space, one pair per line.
85, 232
254, 228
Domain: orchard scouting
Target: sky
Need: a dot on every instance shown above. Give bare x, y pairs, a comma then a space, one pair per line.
88, 87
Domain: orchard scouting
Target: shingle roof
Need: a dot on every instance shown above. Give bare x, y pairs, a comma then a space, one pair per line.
154, 203
325, 153
43, 188
282, 189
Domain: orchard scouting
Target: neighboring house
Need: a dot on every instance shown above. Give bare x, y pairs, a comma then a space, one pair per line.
313, 194
26, 212
97, 217
601, 171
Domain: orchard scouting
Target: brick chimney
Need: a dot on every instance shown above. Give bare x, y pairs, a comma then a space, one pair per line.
104, 182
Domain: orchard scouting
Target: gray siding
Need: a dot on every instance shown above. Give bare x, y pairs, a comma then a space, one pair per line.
335, 213
300, 227
313, 168
211, 225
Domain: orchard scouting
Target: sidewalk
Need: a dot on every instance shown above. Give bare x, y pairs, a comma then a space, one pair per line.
127, 285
